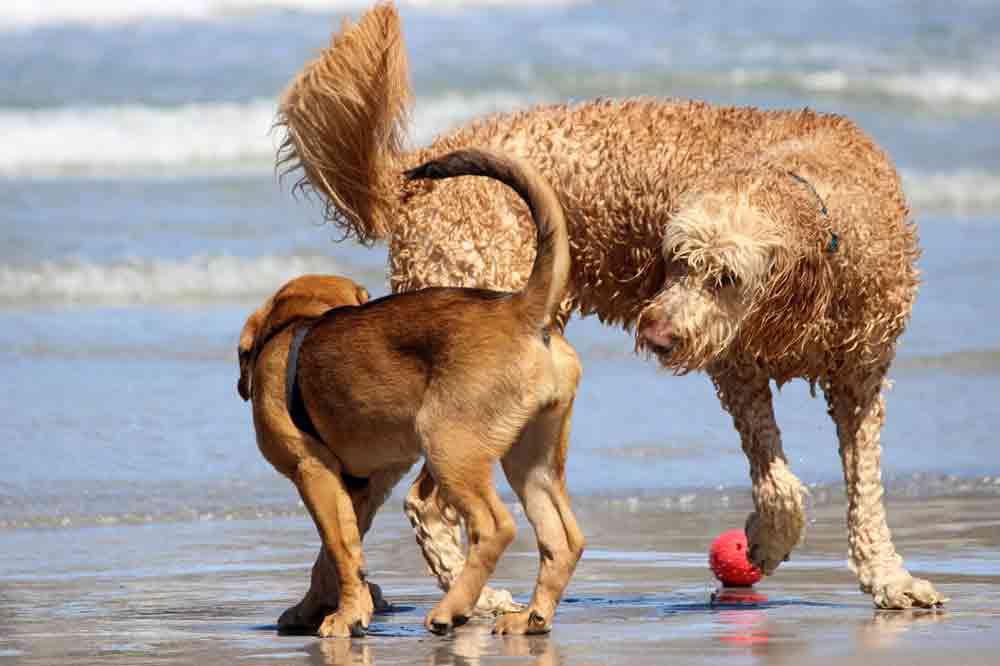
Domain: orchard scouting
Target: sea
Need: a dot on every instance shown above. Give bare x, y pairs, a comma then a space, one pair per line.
141, 220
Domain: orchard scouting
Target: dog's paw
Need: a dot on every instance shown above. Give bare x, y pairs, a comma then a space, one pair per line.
522, 623
905, 591
300, 618
442, 620
770, 540
378, 602
343, 625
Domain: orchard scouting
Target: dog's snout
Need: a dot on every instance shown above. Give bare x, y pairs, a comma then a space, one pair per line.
657, 332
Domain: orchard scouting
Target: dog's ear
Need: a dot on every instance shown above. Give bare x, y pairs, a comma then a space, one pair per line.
362, 295
243, 385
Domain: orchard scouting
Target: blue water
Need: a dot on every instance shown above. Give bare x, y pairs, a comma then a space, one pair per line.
140, 221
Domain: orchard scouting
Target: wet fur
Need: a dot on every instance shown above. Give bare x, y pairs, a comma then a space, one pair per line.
703, 224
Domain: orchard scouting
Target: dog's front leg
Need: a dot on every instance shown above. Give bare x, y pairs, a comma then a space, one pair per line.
776, 526
858, 409
438, 532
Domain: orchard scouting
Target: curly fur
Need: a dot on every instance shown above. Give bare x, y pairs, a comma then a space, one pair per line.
768, 245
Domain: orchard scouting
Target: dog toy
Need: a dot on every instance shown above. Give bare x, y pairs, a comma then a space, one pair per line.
728, 560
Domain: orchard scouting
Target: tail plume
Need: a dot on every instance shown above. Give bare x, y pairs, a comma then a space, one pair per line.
343, 119
547, 283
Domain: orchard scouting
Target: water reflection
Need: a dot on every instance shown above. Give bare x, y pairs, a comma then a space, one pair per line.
466, 647
887, 627
741, 615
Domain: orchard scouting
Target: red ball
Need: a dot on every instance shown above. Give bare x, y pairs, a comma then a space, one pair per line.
728, 560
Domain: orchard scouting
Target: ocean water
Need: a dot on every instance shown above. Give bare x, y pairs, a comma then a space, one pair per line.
141, 220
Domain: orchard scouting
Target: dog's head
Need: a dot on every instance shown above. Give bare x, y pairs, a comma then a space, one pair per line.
304, 297
746, 272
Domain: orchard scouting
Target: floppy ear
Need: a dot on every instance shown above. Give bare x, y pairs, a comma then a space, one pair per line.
245, 348
243, 385
362, 295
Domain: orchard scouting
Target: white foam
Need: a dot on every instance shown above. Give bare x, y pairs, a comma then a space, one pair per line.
16, 14
136, 140
436, 115
935, 87
963, 191
199, 278
116, 138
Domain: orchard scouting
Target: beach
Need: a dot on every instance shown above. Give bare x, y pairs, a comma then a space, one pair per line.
141, 221
209, 591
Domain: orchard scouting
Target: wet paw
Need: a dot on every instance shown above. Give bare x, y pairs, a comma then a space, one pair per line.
343, 625
770, 541
522, 623
907, 592
302, 617
441, 621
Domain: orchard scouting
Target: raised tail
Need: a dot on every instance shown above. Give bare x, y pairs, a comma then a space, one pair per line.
343, 118
542, 295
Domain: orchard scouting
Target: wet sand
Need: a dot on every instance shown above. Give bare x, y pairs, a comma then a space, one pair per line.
209, 591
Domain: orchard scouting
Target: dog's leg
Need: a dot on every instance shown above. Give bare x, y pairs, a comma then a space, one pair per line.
319, 483
464, 471
775, 528
323, 596
438, 532
321, 599
536, 469
858, 409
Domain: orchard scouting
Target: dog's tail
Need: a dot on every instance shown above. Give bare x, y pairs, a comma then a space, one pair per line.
343, 118
546, 285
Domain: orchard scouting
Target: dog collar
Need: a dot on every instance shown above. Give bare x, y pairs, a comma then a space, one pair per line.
834, 244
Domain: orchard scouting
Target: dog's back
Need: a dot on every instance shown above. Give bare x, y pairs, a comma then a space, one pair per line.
304, 297
370, 374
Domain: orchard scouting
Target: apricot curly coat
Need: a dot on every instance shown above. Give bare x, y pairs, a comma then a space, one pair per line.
753, 245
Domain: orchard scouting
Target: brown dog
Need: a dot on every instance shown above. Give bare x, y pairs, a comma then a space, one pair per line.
346, 400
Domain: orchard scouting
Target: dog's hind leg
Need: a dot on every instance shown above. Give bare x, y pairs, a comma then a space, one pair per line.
323, 596
462, 463
776, 526
858, 409
438, 531
319, 482
536, 469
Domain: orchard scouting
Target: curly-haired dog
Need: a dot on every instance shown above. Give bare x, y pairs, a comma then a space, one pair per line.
754, 245
345, 400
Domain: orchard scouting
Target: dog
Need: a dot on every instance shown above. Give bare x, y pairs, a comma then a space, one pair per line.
752, 245
346, 400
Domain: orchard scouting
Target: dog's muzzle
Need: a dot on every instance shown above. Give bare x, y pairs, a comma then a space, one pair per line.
656, 335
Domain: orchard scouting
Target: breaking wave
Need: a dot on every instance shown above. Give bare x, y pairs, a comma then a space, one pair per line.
129, 139
199, 278
31, 13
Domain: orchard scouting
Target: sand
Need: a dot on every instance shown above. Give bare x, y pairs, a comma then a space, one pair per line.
209, 592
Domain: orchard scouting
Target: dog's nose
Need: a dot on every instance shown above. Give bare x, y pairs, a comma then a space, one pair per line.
658, 333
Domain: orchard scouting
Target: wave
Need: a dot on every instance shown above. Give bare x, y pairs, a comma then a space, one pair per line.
136, 281
961, 191
232, 137
119, 138
138, 139
933, 87
20, 14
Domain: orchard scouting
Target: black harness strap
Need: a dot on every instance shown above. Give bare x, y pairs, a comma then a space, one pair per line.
297, 406
293, 394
